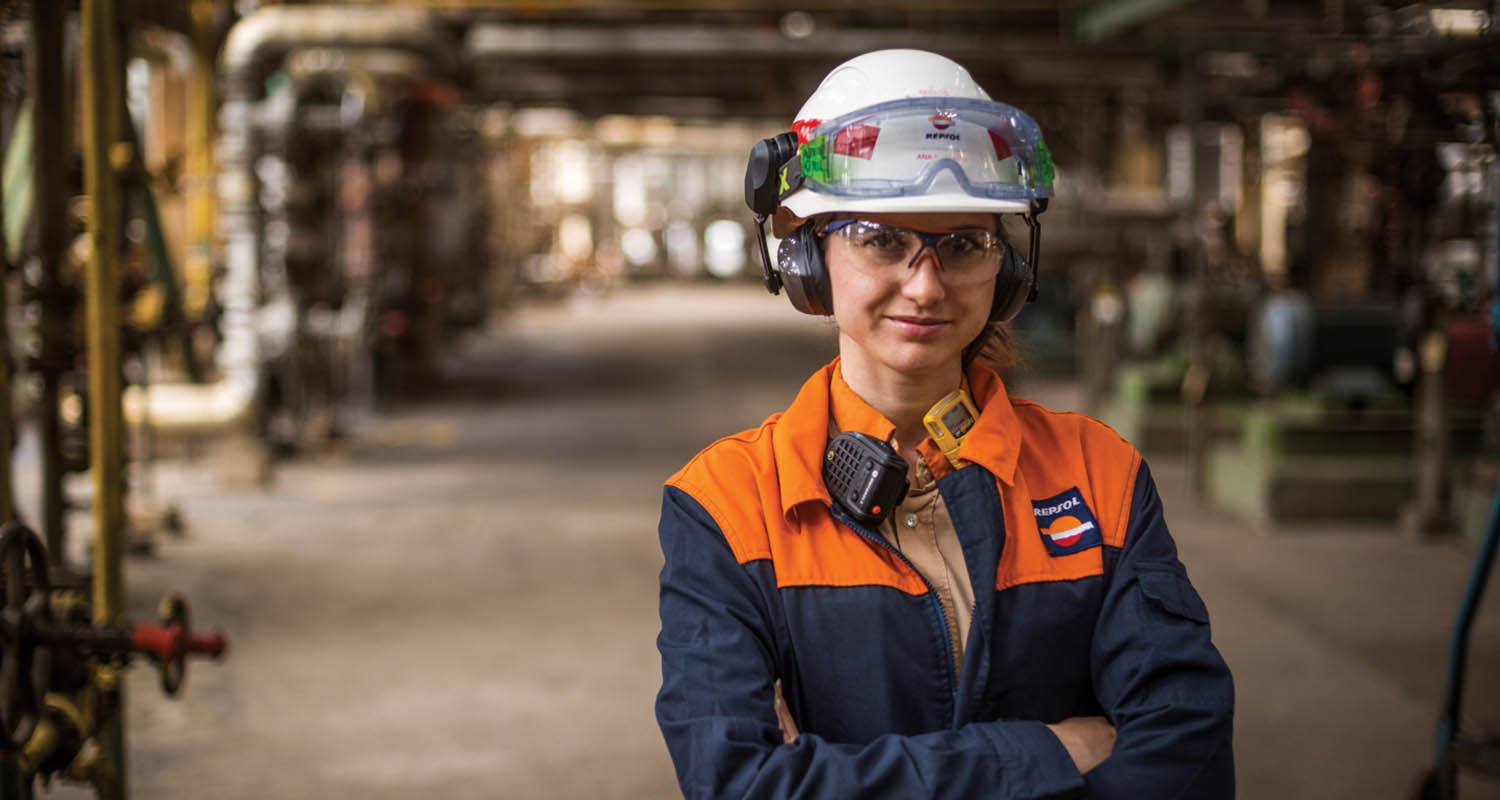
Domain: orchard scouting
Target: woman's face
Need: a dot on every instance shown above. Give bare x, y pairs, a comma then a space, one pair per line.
909, 321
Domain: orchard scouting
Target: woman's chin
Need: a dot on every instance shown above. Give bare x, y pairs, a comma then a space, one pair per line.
917, 358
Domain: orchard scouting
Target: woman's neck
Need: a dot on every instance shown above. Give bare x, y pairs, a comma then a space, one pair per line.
901, 397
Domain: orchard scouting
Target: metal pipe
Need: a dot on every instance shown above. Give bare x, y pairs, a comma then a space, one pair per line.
1196, 322
104, 154
256, 45
199, 192
49, 113
101, 128
7, 497
194, 408
1458, 646
528, 41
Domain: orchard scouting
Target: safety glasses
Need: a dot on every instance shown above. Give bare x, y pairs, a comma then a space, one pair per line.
966, 258
899, 148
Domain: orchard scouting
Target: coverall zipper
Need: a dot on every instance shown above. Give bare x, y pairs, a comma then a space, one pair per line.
937, 603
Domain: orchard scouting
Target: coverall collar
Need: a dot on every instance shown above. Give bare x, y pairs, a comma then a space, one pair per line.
800, 437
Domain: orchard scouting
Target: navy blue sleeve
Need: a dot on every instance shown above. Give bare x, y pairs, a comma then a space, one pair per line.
718, 654
1157, 674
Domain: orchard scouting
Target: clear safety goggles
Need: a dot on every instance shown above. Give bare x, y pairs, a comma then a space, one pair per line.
898, 148
966, 258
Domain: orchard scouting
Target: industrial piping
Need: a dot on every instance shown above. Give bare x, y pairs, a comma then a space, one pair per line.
256, 45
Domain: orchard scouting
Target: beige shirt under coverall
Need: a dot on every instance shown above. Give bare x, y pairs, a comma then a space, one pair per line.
920, 528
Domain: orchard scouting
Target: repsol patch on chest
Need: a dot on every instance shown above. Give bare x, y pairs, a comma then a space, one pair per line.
1066, 523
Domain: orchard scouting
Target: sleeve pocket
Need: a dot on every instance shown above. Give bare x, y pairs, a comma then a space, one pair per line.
1169, 590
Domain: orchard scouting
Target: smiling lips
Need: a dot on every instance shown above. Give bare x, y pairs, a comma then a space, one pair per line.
919, 326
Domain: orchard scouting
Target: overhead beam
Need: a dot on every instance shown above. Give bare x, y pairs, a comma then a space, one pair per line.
535, 6
677, 41
1103, 20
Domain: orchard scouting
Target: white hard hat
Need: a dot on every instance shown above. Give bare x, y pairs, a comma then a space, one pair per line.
910, 131
884, 75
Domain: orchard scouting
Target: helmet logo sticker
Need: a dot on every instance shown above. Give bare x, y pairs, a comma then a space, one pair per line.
941, 123
1066, 524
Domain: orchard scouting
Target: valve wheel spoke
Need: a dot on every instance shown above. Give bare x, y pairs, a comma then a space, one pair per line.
24, 662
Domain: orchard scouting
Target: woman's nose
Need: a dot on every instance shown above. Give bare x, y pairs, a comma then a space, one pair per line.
924, 281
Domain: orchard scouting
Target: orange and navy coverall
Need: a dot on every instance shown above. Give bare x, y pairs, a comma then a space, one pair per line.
1091, 614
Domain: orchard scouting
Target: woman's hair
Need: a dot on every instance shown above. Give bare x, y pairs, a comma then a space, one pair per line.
995, 345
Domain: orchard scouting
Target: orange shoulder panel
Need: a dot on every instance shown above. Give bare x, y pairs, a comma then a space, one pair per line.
1061, 452
735, 479
820, 551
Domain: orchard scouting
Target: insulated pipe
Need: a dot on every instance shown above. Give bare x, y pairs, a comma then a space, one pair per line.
259, 42
256, 46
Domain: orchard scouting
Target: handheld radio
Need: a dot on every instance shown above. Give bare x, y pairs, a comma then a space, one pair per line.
865, 476
950, 421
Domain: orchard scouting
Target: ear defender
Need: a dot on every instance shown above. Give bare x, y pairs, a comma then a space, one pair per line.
1015, 286
763, 190
804, 273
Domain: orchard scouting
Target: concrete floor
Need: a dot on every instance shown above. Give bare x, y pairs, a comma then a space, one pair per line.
462, 602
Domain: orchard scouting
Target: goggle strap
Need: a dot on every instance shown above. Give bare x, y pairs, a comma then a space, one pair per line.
791, 179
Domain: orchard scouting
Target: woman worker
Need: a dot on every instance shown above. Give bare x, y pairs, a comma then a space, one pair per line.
1016, 622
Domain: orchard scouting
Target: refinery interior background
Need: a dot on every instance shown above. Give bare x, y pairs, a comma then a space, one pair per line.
373, 329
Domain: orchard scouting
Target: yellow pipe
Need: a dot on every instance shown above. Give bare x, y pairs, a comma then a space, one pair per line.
102, 158
101, 288
201, 191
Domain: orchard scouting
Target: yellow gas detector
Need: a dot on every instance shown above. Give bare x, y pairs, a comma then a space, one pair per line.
950, 421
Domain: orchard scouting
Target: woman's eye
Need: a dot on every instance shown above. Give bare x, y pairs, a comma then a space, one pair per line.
885, 241
964, 244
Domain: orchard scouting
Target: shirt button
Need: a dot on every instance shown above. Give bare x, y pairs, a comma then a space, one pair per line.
911, 520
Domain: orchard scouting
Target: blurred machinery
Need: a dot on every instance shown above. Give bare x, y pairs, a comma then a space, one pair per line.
1376, 314
61, 668
1273, 247
352, 207
99, 303
1309, 322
